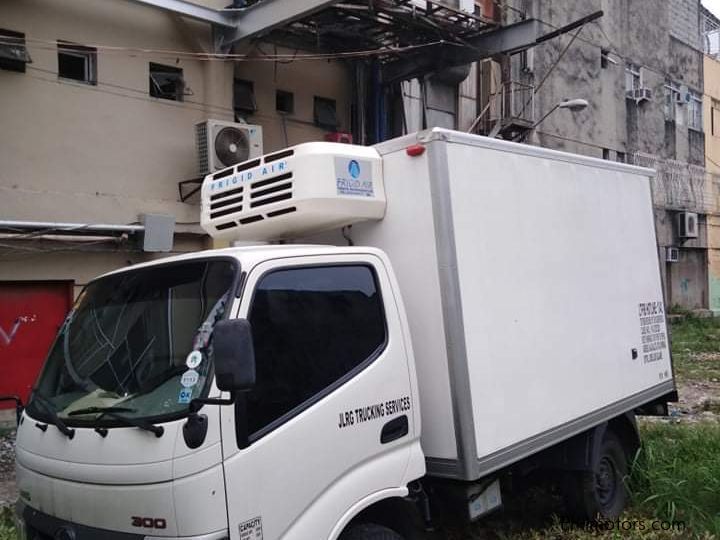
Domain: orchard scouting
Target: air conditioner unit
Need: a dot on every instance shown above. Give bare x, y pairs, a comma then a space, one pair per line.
672, 254
640, 94
222, 144
687, 225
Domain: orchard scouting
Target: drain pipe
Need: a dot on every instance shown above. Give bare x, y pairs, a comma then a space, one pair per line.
52, 226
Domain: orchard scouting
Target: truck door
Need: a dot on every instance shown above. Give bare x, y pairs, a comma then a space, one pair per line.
330, 417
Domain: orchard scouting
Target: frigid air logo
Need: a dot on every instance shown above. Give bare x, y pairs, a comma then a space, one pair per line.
354, 168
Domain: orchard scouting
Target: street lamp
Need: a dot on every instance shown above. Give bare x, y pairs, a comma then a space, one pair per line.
573, 105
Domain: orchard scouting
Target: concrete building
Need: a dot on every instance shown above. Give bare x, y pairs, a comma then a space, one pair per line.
711, 120
640, 67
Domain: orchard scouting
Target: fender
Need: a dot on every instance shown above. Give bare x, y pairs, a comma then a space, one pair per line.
354, 510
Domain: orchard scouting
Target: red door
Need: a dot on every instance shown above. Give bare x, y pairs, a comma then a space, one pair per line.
30, 315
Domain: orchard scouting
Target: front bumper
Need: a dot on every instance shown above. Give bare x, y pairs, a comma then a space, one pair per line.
34, 525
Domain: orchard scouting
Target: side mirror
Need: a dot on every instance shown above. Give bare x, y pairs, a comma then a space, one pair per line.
234, 355
19, 408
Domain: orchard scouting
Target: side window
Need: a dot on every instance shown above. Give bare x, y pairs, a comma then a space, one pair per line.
311, 327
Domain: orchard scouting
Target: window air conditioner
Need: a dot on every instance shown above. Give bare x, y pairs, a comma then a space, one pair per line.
687, 225
640, 94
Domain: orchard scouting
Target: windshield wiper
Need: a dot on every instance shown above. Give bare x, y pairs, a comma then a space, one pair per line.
135, 422
49, 407
92, 410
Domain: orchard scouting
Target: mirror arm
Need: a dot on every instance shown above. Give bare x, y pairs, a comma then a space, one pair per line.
19, 407
197, 403
238, 399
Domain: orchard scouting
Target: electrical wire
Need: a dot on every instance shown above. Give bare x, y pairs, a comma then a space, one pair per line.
45, 44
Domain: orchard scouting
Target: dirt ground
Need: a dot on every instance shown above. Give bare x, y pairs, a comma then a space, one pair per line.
8, 490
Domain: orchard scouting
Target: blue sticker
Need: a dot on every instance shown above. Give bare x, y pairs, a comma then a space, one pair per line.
185, 395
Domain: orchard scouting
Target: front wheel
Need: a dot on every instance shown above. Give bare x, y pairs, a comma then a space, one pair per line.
600, 492
370, 531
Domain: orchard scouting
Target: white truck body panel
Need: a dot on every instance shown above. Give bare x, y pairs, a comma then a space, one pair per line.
524, 271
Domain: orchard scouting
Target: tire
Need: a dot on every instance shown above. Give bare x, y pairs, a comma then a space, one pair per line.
370, 531
600, 493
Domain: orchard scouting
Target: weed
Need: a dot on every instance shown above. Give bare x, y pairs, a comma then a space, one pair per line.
676, 475
7, 527
696, 349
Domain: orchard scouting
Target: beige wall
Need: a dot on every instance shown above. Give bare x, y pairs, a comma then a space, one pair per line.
109, 152
52, 263
104, 153
712, 158
305, 79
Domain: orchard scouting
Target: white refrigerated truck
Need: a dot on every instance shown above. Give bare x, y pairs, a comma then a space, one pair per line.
487, 309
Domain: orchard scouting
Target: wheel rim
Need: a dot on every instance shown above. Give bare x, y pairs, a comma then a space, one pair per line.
606, 480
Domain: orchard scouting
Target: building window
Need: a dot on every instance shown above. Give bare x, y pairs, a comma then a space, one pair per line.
672, 96
633, 79
606, 153
695, 111
13, 52
715, 118
166, 82
313, 328
620, 157
325, 113
77, 62
284, 102
244, 97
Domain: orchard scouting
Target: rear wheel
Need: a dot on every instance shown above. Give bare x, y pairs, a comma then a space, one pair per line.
370, 531
600, 492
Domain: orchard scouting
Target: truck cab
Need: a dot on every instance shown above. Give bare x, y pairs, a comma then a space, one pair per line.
116, 442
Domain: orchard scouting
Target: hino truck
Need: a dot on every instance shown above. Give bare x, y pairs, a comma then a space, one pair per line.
395, 332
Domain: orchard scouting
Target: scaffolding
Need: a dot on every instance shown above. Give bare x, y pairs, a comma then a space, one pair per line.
382, 25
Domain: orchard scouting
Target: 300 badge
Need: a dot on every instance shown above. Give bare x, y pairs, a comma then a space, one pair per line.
148, 522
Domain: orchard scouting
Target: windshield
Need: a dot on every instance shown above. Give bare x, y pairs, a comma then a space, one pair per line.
137, 344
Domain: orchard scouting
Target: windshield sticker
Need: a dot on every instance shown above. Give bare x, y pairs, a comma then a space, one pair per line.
190, 378
185, 396
194, 359
251, 529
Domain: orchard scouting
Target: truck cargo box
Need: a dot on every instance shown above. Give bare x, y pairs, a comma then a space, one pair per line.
532, 284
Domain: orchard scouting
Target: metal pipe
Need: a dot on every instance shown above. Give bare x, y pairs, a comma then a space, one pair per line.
62, 238
59, 226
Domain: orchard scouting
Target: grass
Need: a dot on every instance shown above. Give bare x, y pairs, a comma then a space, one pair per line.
677, 475
696, 349
7, 529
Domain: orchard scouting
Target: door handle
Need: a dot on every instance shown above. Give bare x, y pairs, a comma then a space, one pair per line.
394, 429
